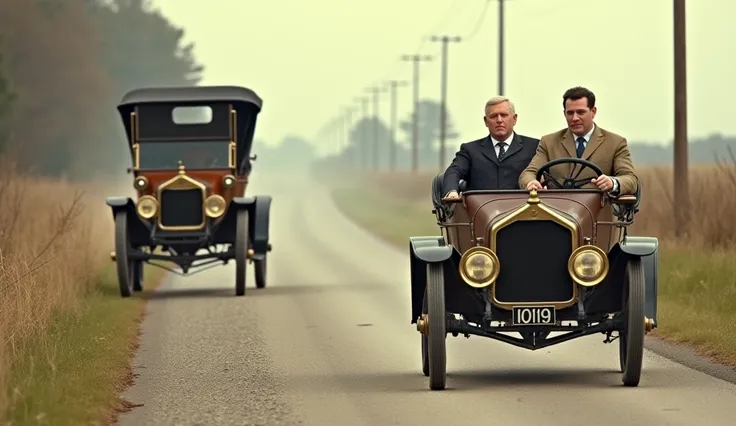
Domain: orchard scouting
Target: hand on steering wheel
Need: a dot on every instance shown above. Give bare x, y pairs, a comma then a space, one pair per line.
569, 182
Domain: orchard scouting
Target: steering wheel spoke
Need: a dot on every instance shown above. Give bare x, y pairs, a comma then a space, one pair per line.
568, 182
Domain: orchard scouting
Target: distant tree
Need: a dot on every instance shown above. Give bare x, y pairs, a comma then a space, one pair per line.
361, 151
142, 47
62, 92
7, 98
429, 132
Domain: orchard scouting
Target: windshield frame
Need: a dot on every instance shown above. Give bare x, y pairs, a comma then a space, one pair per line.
199, 144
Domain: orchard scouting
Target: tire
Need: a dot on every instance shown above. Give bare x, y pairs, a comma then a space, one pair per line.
241, 251
425, 351
122, 244
631, 339
260, 267
437, 333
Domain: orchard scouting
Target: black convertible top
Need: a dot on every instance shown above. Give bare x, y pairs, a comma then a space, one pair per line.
191, 94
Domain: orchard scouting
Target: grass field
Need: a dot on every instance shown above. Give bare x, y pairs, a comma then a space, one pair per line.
66, 337
697, 275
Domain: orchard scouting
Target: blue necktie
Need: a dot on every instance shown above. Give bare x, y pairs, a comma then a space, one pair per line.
581, 146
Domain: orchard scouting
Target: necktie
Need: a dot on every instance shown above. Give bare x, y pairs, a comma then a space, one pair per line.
581, 146
501, 149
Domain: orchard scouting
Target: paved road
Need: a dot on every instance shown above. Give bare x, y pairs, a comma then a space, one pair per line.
328, 343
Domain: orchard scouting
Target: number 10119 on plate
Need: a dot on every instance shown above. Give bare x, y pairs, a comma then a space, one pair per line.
533, 315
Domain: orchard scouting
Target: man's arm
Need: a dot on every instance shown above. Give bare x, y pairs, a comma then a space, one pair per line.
530, 173
623, 169
457, 170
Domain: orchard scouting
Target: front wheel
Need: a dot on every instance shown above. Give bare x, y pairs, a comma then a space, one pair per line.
631, 339
437, 326
122, 244
241, 251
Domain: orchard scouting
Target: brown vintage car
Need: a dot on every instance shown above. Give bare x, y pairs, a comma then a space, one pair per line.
191, 152
534, 263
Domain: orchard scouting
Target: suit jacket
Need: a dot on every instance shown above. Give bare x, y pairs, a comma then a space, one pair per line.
477, 163
607, 150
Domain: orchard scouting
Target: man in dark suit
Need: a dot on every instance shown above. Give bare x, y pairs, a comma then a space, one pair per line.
495, 161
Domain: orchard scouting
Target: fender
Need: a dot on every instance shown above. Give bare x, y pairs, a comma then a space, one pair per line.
646, 248
258, 221
120, 203
423, 250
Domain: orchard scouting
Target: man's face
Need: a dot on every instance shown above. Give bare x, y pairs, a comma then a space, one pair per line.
499, 120
579, 117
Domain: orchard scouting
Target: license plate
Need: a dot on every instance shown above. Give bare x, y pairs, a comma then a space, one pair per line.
533, 315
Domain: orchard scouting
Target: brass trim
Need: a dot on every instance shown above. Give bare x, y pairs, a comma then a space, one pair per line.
231, 185
423, 324
648, 324
494, 259
136, 157
145, 183
576, 253
215, 197
231, 155
535, 210
143, 198
182, 182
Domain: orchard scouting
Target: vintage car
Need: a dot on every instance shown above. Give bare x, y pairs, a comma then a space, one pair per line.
191, 154
534, 263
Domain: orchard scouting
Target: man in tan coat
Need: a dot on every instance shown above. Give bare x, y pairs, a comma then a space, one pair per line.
584, 139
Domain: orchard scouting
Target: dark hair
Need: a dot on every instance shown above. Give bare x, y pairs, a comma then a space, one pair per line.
578, 93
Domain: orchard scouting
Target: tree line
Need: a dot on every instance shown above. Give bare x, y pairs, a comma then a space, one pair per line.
64, 66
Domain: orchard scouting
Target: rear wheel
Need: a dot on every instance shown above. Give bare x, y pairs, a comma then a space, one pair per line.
631, 338
260, 269
425, 354
437, 326
241, 251
122, 244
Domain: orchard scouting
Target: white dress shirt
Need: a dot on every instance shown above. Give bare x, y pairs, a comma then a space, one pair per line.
507, 142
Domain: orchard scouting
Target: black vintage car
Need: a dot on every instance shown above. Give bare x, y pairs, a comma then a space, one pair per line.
191, 152
534, 263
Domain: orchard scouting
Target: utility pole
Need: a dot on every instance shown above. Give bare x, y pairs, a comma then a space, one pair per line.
375, 127
445, 40
500, 47
348, 126
361, 134
415, 115
681, 189
393, 84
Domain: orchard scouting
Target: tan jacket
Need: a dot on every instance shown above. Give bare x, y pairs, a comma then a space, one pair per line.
607, 150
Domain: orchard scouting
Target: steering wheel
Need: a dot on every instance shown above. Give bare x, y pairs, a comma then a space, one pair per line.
569, 182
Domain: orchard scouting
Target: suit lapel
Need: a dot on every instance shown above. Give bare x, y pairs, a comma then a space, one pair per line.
568, 142
596, 139
515, 147
488, 149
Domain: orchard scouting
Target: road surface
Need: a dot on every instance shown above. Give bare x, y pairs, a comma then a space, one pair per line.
329, 343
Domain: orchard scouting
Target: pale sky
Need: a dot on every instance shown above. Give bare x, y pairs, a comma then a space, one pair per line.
309, 59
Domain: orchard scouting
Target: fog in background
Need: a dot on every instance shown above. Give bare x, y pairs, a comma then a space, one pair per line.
310, 60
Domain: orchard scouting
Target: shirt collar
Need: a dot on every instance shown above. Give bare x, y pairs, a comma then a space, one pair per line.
507, 141
587, 135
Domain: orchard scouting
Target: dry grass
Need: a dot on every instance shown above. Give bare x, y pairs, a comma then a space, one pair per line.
54, 241
712, 195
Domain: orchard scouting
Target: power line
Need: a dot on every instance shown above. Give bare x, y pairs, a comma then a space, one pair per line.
416, 59
445, 40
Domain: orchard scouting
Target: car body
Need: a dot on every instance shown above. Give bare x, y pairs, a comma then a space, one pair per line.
534, 263
191, 154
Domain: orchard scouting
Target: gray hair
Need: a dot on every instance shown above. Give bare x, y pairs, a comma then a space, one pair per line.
499, 100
